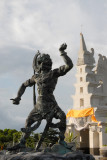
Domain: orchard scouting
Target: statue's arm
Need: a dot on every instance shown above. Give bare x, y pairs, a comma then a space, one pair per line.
68, 63
28, 83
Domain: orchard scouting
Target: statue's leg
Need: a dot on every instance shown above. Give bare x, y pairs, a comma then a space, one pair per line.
62, 127
59, 114
27, 131
62, 124
32, 118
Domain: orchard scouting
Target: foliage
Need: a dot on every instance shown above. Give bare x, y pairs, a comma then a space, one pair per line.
30, 142
9, 137
17, 136
51, 137
68, 137
106, 130
6, 137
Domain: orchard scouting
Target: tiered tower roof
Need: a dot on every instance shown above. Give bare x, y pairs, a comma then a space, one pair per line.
84, 56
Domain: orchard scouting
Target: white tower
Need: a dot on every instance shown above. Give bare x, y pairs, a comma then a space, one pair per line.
90, 91
85, 77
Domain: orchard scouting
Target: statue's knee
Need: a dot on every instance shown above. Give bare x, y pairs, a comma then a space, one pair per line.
29, 122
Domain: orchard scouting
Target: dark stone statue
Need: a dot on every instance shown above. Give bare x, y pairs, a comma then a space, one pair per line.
46, 106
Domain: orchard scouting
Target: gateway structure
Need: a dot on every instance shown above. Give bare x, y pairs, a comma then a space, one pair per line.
89, 101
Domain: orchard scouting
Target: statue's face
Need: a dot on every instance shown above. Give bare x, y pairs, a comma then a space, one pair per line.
44, 62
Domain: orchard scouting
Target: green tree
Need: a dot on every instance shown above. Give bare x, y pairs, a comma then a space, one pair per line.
6, 136
11, 137
16, 137
51, 137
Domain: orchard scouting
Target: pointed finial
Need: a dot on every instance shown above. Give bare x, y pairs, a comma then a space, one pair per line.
81, 28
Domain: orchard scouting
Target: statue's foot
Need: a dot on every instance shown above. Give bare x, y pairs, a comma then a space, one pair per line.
62, 142
18, 146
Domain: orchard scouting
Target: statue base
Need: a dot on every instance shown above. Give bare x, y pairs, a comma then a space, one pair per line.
56, 152
32, 155
59, 149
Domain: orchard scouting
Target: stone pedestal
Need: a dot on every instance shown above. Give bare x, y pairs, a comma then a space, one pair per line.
77, 155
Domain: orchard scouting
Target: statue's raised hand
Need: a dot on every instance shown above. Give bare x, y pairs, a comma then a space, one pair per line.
63, 47
16, 100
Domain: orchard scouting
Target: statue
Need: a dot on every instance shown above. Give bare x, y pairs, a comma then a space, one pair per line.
46, 106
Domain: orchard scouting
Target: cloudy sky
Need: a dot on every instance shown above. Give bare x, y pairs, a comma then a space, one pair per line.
30, 25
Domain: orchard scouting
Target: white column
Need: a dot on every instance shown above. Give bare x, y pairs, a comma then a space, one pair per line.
91, 145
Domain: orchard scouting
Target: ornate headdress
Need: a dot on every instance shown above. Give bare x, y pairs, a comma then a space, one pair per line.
35, 63
39, 59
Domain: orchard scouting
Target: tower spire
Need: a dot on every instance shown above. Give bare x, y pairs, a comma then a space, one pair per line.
82, 43
82, 51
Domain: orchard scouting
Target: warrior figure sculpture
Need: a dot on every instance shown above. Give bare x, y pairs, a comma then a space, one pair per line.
46, 106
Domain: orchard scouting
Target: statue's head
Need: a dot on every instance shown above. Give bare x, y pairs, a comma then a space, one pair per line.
42, 62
